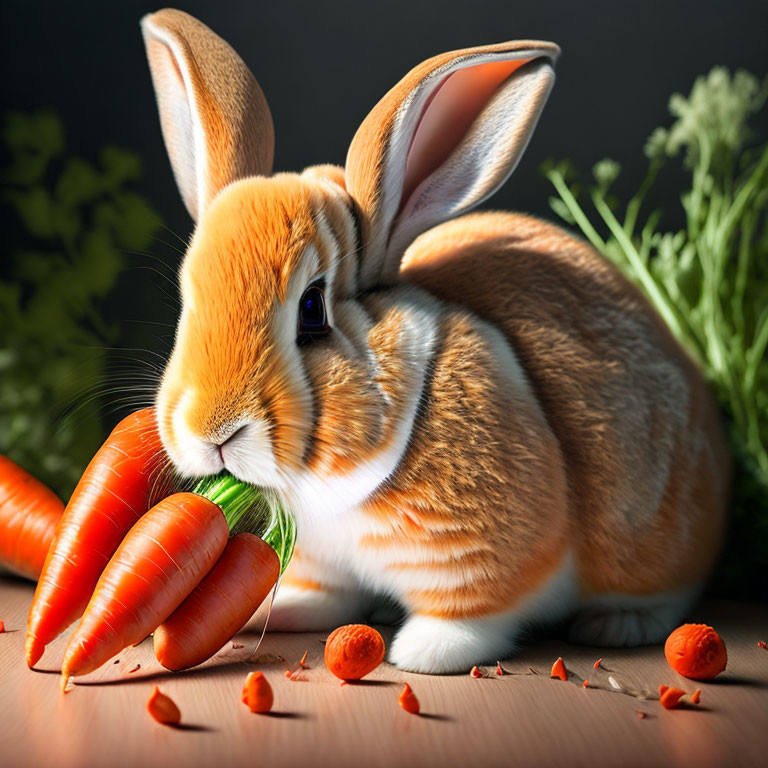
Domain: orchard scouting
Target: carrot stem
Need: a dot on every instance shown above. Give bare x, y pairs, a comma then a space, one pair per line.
249, 509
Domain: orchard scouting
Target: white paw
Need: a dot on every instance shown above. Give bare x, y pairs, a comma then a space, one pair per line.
308, 610
439, 646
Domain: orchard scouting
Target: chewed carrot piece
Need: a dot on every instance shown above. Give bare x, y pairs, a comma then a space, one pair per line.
475, 672
696, 696
163, 708
585, 684
696, 651
558, 669
257, 693
669, 696
2, 627
352, 651
597, 664
762, 644
499, 669
303, 663
408, 700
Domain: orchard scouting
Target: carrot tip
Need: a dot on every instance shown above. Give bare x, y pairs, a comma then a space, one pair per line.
67, 682
34, 650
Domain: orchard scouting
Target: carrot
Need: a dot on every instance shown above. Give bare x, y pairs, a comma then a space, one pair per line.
162, 559
163, 708
352, 651
257, 693
220, 604
558, 669
696, 651
29, 512
110, 497
408, 700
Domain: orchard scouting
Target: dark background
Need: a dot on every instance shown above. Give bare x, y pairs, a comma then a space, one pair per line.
322, 66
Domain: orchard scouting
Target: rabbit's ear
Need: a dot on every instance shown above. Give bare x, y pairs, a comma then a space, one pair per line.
216, 123
441, 141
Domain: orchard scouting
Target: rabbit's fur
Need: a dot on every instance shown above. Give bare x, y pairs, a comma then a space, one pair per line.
496, 429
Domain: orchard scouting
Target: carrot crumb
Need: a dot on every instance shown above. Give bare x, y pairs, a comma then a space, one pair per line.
597, 664
499, 670
163, 708
408, 700
585, 684
641, 715
235, 646
696, 696
257, 693
2, 627
135, 669
762, 644
303, 663
288, 673
353, 651
669, 696
558, 669
343, 682
475, 672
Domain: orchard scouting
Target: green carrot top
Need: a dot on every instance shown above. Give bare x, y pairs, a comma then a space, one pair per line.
250, 509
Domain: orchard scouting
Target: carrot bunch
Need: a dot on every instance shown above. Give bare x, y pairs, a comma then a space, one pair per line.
188, 568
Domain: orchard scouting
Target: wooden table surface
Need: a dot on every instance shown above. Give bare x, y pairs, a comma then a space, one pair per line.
518, 719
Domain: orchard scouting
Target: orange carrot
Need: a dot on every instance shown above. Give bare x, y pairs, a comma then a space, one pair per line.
558, 670
696, 651
352, 651
162, 559
408, 700
163, 708
110, 497
257, 693
220, 604
475, 672
29, 512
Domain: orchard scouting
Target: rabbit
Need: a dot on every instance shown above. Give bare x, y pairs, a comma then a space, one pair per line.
478, 423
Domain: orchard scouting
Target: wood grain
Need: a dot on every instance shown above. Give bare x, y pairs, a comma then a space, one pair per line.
521, 720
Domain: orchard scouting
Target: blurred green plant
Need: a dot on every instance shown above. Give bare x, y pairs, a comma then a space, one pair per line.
709, 281
75, 219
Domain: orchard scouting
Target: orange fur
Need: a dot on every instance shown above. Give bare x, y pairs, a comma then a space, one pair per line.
562, 306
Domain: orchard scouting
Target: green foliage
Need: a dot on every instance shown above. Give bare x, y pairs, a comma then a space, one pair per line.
709, 281
75, 219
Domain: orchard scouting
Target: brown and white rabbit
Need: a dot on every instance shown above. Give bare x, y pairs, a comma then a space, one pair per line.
473, 416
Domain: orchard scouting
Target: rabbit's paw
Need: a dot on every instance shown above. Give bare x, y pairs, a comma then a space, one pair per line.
306, 610
618, 621
439, 646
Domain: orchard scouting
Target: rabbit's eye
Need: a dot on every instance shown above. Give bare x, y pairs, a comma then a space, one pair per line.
313, 320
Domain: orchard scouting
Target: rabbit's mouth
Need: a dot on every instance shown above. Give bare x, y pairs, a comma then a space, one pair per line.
247, 454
